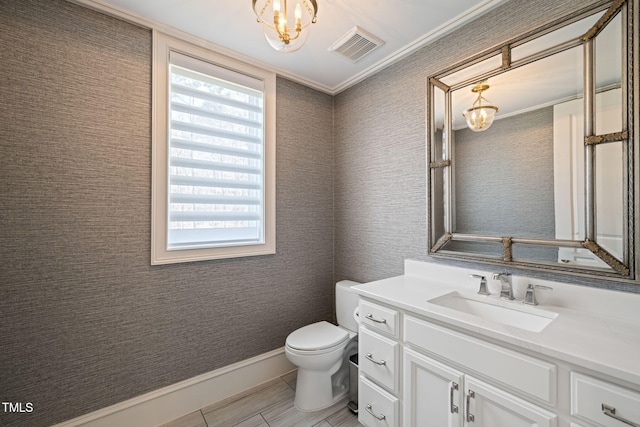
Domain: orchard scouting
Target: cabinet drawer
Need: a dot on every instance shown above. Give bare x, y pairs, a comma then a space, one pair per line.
378, 358
519, 371
376, 407
590, 399
379, 318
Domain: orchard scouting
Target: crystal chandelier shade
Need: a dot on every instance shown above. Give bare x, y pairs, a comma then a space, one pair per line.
481, 114
286, 28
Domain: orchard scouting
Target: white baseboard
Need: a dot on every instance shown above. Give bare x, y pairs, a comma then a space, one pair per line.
168, 403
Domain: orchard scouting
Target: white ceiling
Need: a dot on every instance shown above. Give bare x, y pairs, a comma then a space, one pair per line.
404, 25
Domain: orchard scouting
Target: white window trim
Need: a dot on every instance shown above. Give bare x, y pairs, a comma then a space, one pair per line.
162, 46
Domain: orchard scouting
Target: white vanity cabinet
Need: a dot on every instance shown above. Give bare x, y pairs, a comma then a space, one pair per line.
416, 371
529, 375
400, 385
447, 365
438, 395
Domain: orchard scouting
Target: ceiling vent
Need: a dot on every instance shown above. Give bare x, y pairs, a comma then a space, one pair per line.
356, 44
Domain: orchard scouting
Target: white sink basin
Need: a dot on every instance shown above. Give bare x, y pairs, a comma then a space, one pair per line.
512, 313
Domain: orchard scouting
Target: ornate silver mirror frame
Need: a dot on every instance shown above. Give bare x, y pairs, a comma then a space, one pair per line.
441, 160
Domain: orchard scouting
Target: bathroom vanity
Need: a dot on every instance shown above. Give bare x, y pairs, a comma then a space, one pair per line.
433, 352
438, 346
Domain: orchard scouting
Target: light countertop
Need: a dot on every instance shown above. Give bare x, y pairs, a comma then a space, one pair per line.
595, 329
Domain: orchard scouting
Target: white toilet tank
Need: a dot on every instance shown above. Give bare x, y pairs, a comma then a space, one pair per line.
346, 303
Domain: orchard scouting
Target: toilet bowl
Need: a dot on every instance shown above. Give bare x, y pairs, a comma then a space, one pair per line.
321, 352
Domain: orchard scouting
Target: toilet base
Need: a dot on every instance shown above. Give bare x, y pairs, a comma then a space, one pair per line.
315, 390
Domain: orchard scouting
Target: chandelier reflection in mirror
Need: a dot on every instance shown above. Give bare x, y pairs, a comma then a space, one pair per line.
480, 116
276, 18
576, 75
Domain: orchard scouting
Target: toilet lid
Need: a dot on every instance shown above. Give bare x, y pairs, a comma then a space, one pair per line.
317, 336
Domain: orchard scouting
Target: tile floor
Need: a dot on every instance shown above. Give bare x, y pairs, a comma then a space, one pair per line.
270, 405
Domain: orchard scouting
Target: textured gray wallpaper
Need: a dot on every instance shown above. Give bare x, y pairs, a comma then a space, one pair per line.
85, 320
381, 178
504, 182
504, 177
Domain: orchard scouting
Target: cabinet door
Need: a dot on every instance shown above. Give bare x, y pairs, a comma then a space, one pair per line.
432, 393
487, 406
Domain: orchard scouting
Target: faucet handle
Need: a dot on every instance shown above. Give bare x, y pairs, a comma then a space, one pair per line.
483, 284
530, 295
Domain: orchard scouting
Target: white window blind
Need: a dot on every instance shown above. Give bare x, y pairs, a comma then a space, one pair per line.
216, 156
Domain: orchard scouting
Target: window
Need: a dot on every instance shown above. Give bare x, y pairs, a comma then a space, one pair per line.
213, 156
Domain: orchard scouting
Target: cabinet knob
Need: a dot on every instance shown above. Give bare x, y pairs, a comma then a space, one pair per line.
370, 317
380, 417
370, 357
610, 411
470, 417
453, 408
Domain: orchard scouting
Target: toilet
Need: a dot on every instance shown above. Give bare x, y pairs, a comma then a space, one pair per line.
321, 352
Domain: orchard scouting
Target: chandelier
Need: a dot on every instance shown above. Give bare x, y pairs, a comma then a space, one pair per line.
285, 32
480, 116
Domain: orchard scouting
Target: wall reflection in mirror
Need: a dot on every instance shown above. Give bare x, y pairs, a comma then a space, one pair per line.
545, 184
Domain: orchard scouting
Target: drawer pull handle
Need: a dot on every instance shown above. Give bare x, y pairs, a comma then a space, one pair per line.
610, 411
380, 417
370, 317
453, 408
470, 417
370, 357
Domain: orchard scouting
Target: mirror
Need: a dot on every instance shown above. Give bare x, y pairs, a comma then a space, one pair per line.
545, 184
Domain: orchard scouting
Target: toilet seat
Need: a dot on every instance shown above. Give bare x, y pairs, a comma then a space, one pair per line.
318, 337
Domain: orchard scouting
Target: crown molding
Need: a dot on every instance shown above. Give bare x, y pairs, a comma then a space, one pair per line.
441, 31
151, 24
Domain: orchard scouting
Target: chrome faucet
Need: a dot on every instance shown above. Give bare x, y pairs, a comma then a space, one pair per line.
506, 290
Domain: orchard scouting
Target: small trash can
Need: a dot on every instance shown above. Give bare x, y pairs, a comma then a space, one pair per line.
353, 384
